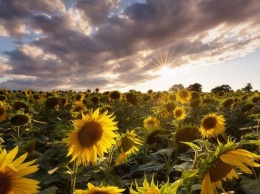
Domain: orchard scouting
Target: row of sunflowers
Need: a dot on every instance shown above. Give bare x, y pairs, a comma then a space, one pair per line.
92, 142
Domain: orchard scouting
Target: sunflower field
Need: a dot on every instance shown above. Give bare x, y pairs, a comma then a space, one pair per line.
92, 142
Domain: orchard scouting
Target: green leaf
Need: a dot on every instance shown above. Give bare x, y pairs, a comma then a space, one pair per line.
174, 186
183, 166
167, 151
250, 142
189, 173
192, 145
250, 186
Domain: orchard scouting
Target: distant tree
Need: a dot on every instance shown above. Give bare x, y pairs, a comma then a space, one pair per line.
222, 88
247, 88
176, 87
195, 87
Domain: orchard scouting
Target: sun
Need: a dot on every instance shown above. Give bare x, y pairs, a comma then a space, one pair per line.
164, 70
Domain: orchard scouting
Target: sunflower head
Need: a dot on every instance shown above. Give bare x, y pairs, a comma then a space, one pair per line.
183, 96
127, 146
93, 136
13, 172
170, 106
179, 113
146, 97
77, 107
115, 95
255, 99
227, 103
95, 99
151, 123
52, 103
247, 107
2, 112
36, 97
220, 165
131, 98
150, 91
186, 133
20, 105
100, 190
163, 114
147, 188
3, 97
28, 92
63, 101
20, 119
79, 97
212, 125
154, 136
195, 103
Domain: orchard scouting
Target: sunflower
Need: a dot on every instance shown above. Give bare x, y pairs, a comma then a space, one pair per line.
115, 95
100, 190
153, 136
183, 96
186, 133
127, 146
163, 114
179, 113
13, 172
152, 188
151, 123
20, 119
212, 125
222, 166
147, 188
77, 107
93, 135
2, 112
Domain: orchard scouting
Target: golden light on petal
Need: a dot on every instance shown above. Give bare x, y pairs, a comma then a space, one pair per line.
93, 136
2, 113
212, 125
13, 173
100, 190
151, 123
222, 167
183, 96
127, 146
179, 113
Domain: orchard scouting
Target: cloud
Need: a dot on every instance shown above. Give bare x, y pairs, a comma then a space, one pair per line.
100, 43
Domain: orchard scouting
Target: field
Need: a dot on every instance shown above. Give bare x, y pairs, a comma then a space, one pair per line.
110, 142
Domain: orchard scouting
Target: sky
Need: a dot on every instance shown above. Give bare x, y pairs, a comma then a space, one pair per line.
128, 44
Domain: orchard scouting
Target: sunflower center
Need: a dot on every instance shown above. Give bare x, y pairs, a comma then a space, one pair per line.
150, 123
209, 123
178, 113
5, 183
2, 110
90, 134
127, 144
183, 94
219, 170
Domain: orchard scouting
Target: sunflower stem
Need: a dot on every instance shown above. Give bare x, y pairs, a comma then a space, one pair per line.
194, 165
168, 165
110, 156
145, 152
73, 177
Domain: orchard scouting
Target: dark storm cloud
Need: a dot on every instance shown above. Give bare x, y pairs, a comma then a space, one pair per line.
95, 43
